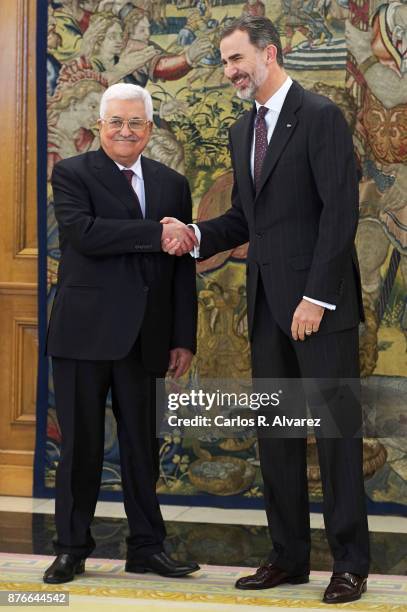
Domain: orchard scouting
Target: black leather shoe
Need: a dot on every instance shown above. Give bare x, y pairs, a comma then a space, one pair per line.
269, 576
161, 563
64, 569
345, 587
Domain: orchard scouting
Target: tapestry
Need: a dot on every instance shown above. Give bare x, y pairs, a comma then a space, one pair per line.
354, 52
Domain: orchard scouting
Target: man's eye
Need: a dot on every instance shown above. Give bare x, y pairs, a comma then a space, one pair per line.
135, 124
116, 122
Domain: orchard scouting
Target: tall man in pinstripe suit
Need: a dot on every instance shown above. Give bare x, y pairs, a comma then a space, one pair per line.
295, 197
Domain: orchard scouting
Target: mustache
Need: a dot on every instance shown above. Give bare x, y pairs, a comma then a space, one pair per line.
241, 75
129, 139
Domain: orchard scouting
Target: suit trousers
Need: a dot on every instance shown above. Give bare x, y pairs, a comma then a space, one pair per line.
81, 389
284, 461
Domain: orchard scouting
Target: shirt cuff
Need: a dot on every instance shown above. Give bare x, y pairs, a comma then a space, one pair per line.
318, 303
195, 251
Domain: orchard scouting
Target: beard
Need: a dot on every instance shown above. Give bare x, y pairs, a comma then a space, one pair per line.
255, 81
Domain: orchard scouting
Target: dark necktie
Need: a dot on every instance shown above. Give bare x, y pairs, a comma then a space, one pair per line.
261, 144
129, 176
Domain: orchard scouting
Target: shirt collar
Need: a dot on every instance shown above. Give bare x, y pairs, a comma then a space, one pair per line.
136, 167
275, 103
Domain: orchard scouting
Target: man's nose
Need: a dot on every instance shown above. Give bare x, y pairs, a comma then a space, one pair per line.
125, 131
230, 71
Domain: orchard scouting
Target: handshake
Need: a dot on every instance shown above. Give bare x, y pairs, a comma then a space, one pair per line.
177, 238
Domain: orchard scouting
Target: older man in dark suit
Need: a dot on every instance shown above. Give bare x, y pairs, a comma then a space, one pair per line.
124, 312
295, 197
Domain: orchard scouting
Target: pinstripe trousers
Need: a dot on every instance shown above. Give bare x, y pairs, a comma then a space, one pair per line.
283, 461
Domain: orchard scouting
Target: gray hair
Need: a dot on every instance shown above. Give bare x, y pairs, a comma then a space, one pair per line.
262, 33
126, 91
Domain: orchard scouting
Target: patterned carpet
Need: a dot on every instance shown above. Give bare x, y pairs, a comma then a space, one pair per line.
210, 589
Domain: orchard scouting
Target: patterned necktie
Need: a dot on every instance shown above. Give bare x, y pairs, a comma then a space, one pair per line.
260, 144
129, 176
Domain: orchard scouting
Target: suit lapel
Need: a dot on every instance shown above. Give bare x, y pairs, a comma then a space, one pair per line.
285, 127
242, 143
152, 188
109, 174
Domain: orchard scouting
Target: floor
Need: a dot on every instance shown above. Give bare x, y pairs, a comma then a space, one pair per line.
210, 589
193, 514
208, 535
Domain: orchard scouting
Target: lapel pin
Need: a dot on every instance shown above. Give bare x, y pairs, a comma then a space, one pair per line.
289, 124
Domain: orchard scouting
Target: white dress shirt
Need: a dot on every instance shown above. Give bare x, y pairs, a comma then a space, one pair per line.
137, 182
274, 104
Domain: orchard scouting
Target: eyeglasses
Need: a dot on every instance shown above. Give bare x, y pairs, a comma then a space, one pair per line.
135, 125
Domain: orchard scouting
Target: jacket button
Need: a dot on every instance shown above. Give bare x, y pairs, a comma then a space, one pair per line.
145, 289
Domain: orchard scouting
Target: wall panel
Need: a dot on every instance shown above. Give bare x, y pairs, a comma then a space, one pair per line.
18, 246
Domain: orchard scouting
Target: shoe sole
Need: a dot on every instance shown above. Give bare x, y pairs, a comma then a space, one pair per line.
289, 580
78, 570
138, 569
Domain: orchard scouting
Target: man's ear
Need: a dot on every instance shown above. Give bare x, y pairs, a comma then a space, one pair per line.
271, 53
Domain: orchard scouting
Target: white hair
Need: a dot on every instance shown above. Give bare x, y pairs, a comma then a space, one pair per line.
126, 91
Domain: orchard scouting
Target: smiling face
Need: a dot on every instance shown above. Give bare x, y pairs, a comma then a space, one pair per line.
124, 146
244, 64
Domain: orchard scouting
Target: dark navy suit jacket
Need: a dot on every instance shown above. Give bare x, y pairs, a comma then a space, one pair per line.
302, 221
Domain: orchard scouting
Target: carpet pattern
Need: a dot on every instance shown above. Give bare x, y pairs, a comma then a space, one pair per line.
212, 585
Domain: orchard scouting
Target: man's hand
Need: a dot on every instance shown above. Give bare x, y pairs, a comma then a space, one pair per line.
177, 238
306, 320
180, 360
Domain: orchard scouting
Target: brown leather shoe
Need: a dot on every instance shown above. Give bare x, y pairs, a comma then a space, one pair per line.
269, 576
345, 587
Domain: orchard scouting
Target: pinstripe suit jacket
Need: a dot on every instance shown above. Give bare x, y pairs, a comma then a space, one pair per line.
302, 221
